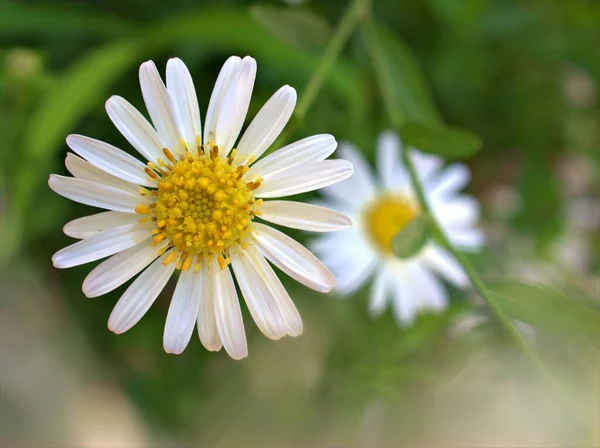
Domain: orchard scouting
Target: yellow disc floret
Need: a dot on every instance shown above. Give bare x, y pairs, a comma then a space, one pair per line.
203, 206
386, 217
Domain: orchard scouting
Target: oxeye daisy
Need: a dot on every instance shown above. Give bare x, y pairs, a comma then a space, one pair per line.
379, 210
192, 208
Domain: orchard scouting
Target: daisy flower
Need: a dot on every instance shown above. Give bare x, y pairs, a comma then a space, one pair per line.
192, 208
379, 210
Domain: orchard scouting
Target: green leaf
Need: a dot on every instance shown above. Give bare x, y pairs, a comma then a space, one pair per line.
545, 307
446, 141
400, 79
301, 28
80, 87
408, 100
52, 21
412, 237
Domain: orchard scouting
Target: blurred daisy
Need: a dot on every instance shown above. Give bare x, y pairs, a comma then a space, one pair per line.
379, 211
192, 206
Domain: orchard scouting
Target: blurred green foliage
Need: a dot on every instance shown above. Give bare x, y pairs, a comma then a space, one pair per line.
522, 75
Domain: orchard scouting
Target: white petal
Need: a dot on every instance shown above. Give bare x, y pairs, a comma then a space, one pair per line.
299, 215
426, 165
342, 207
404, 303
441, 261
388, 157
308, 177
449, 181
465, 238
228, 313
96, 195
416, 289
216, 98
432, 294
293, 258
140, 295
342, 193
310, 149
101, 245
207, 325
358, 188
82, 169
93, 224
267, 125
110, 159
362, 180
135, 128
235, 105
461, 211
183, 310
185, 102
379, 293
350, 245
291, 317
353, 274
260, 301
159, 105
116, 270
335, 247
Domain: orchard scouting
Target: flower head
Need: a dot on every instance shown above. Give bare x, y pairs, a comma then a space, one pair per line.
379, 210
192, 208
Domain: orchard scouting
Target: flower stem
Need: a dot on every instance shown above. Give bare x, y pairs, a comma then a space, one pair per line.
354, 13
480, 287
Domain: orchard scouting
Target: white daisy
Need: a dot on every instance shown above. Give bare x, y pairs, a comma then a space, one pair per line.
379, 210
192, 208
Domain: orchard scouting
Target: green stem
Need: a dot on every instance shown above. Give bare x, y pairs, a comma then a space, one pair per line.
480, 287
354, 13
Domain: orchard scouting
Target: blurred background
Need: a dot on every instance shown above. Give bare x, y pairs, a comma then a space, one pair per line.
522, 74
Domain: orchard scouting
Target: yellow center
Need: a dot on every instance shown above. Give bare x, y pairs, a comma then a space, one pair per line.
386, 217
203, 206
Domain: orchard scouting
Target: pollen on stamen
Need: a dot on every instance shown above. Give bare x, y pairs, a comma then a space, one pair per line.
169, 155
151, 174
183, 145
172, 255
203, 205
186, 263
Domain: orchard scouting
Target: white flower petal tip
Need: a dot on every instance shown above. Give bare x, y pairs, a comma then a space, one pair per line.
135, 128
180, 86
310, 149
96, 194
293, 258
312, 176
228, 314
110, 159
91, 225
181, 318
268, 124
298, 215
140, 295
101, 245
